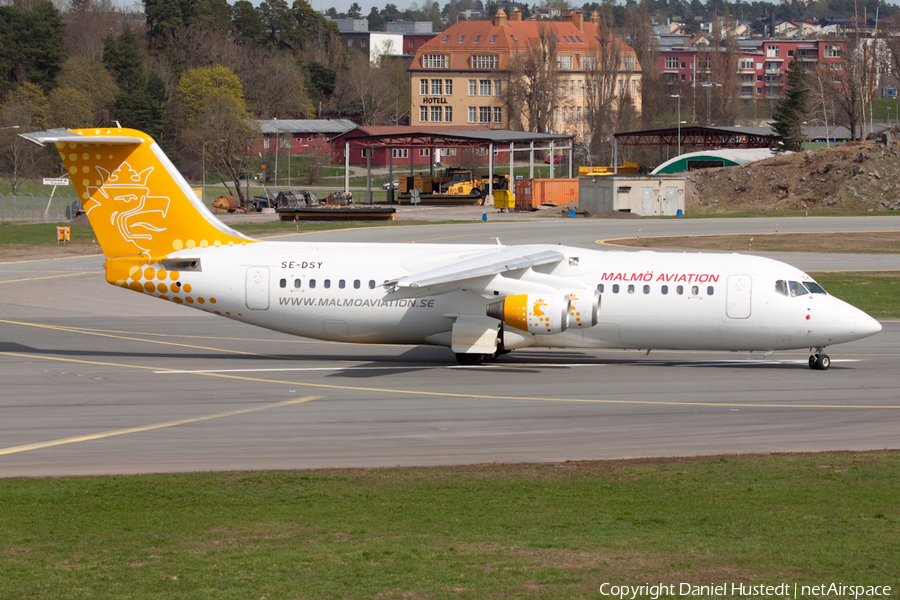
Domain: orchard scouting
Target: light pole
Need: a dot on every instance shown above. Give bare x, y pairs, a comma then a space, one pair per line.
679, 123
709, 87
889, 115
679, 120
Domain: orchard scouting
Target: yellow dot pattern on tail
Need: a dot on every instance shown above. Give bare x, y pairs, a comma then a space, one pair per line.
135, 199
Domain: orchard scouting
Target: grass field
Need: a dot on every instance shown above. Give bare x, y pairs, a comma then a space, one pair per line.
494, 531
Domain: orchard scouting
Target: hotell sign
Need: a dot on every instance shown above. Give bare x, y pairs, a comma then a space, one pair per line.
434, 100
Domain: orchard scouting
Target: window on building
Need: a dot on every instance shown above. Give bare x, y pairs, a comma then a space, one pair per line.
448, 114
484, 114
437, 114
461, 38
434, 61
448, 87
790, 52
266, 143
671, 62
579, 116
446, 37
588, 62
628, 63
477, 38
485, 61
423, 87
498, 87
772, 51
437, 87
425, 151
367, 153
484, 87
473, 87
423, 114
498, 114
564, 62
832, 51
634, 87
580, 87
399, 152
745, 64
472, 115
349, 43
571, 87
362, 44
493, 39
556, 115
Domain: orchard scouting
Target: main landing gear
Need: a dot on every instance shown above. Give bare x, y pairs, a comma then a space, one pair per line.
819, 361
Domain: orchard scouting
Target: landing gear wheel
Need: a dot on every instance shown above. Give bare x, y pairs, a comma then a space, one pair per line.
819, 362
469, 359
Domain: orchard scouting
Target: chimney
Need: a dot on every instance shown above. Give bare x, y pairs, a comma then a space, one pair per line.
515, 15
578, 20
595, 18
500, 19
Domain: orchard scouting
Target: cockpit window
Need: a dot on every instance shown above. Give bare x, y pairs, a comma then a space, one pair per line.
781, 287
814, 287
797, 288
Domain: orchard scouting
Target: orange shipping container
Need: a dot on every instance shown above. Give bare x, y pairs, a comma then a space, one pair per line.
532, 193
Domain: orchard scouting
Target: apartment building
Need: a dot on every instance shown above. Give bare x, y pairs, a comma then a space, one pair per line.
761, 64
459, 76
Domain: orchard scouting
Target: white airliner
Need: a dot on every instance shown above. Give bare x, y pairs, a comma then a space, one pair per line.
479, 300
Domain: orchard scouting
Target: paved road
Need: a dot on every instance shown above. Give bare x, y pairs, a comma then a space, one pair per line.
101, 380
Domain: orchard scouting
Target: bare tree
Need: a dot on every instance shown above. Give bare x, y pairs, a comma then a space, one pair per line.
274, 85
88, 23
533, 84
362, 91
604, 90
223, 134
852, 80
822, 93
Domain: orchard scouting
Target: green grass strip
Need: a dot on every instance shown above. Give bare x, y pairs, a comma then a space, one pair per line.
496, 531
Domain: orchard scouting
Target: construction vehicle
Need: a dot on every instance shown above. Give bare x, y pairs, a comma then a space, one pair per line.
454, 186
626, 168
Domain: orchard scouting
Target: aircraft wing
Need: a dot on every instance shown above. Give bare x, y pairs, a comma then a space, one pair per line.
456, 276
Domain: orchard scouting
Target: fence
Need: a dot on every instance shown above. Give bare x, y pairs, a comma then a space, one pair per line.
28, 207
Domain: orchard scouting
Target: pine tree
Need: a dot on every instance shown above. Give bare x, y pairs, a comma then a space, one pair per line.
788, 114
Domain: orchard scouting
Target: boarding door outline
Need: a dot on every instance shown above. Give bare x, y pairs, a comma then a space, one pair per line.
738, 296
257, 288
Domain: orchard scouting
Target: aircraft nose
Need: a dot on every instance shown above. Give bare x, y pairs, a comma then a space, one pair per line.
866, 325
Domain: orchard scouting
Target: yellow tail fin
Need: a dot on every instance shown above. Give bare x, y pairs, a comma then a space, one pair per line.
135, 199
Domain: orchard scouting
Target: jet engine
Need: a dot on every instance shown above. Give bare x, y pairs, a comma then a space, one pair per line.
534, 313
585, 310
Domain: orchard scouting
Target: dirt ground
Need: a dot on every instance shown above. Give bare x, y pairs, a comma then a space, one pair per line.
857, 176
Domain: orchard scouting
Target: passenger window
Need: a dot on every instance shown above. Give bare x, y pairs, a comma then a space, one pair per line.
646, 289
679, 290
356, 284
600, 288
664, 289
341, 284
695, 290
327, 283
710, 291
615, 288
815, 288
797, 288
630, 288
781, 287
283, 283
312, 283
371, 284
297, 283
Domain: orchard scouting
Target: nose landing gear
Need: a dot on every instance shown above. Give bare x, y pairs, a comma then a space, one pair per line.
819, 361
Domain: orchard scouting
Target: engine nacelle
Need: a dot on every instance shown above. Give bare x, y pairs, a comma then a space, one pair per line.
535, 313
585, 309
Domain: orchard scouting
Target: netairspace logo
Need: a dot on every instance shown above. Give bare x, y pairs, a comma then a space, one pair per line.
738, 590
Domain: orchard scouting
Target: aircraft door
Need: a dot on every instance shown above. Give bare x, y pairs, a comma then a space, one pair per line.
671, 201
647, 197
257, 288
737, 298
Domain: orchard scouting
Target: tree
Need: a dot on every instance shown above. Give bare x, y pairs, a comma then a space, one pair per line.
362, 91
92, 81
354, 12
198, 87
790, 112
26, 107
246, 24
87, 24
602, 96
274, 85
531, 93
31, 48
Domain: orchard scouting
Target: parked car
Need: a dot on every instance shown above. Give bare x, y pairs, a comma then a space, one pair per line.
391, 185
556, 159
